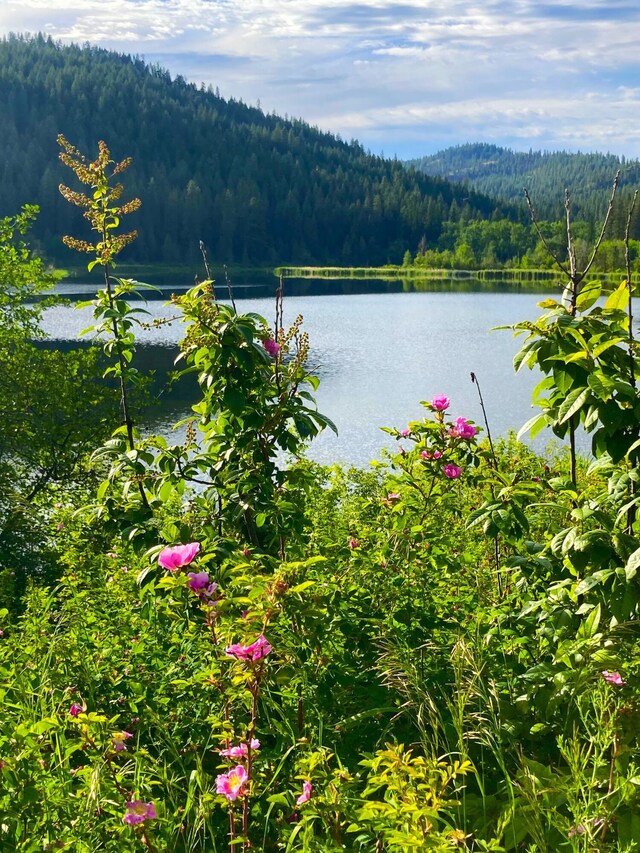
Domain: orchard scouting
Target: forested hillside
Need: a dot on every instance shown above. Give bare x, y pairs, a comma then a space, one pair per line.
255, 188
503, 173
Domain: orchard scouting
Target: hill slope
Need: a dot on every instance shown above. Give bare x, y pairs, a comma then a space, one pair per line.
254, 187
502, 173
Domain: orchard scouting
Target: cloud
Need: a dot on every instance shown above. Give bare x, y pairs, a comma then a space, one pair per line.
404, 75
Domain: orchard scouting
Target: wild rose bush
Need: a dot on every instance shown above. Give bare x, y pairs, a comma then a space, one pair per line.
438, 654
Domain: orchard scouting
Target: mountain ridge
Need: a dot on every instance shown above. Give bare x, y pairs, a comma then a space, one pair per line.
503, 173
256, 188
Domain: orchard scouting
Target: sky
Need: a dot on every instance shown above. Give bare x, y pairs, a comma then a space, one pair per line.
404, 77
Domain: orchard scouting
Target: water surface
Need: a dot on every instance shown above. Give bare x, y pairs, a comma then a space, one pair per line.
377, 355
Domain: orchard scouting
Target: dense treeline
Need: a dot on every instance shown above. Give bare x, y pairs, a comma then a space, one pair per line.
499, 244
255, 188
503, 173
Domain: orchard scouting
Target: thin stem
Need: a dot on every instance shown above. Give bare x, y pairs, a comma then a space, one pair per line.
124, 401
122, 364
627, 259
631, 514
207, 268
229, 288
474, 379
496, 542
543, 239
598, 242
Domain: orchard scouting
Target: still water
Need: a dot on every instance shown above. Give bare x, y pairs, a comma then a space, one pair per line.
377, 355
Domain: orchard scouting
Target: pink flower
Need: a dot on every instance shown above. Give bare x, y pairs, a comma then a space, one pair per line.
240, 751
463, 429
177, 556
405, 432
232, 784
254, 652
353, 544
452, 471
75, 710
199, 583
436, 454
613, 678
305, 796
138, 812
119, 741
440, 403
393, 496
271, 346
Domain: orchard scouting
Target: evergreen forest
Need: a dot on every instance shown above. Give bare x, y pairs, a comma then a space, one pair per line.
256, 189
502, 174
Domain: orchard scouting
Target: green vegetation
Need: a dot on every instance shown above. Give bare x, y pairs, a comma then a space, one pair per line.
502, 173
241, 652
255, 188
501, 244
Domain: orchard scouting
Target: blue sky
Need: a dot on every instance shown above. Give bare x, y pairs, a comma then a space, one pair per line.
404, 77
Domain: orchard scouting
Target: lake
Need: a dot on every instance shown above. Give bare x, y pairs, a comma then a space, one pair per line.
377, 355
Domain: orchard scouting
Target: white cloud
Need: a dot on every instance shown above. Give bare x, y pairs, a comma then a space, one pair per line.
399, 73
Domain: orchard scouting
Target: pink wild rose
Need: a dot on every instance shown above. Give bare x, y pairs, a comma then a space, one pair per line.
177, 556
305, 796
353, 544
452, 471
254, 652
75, 710
271, 346
463, 429
405, 433
393, 496
613, 678
119, 741
440, 402
200, 584
232, 784
138, 812
241, 751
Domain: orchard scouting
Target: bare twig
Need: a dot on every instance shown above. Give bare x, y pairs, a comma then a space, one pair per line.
598, 242
631, 514
229, 288
627, 260
474, 379
207, 268
571, 251
543, 239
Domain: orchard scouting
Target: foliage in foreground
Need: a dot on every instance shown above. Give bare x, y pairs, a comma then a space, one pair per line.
240, 654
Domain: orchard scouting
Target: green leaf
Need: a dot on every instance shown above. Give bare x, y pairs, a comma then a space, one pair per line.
234, 400
593, 580
597, 351
632, 565
589, 295
534, 425
573, 403
619, 299
591, 623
